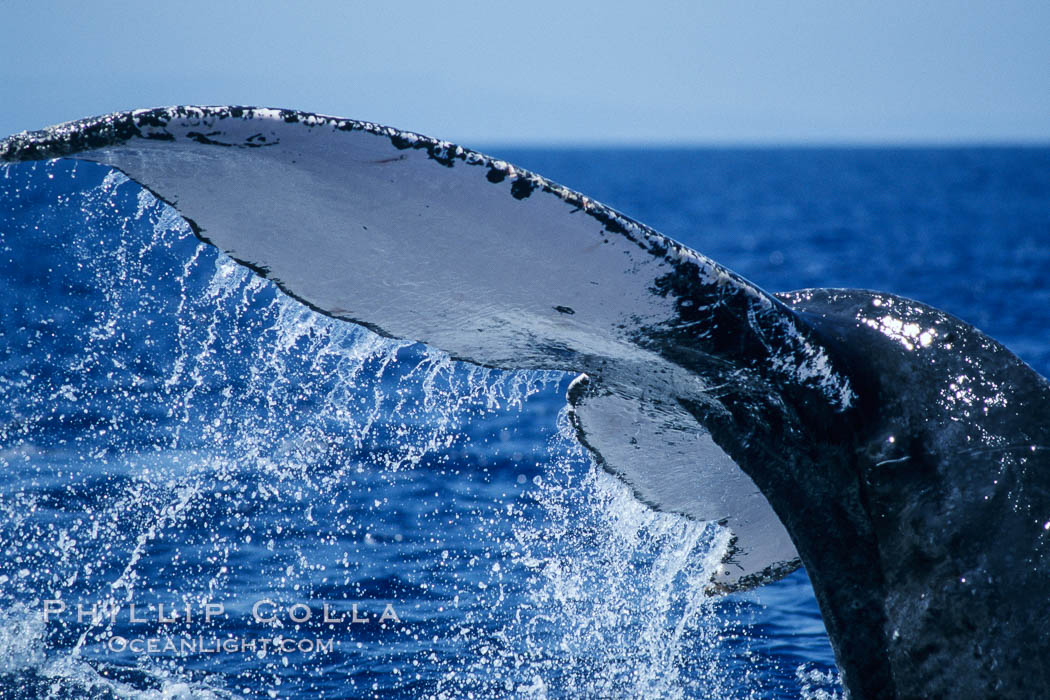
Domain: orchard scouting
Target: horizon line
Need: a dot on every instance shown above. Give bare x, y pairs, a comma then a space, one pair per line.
761, 144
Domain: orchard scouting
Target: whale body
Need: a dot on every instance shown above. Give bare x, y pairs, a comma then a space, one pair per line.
898, 453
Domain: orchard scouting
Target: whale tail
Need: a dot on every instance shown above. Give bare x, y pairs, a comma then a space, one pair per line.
896, 451
420, 239
951, 481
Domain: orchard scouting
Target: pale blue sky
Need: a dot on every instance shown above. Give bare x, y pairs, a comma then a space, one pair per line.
553, 72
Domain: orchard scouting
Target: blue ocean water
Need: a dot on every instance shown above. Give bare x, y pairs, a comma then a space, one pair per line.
325, 513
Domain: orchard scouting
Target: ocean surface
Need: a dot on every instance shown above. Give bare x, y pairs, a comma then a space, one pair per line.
207, 490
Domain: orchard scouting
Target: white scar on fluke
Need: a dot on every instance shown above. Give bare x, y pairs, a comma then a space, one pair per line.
768, 414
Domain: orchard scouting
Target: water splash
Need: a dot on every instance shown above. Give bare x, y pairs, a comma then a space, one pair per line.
178, 433
817, 684
614, 603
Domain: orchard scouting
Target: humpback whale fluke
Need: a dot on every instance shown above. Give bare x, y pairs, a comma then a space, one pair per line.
900, 454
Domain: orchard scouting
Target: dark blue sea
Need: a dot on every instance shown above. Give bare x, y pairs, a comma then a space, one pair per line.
208, 490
